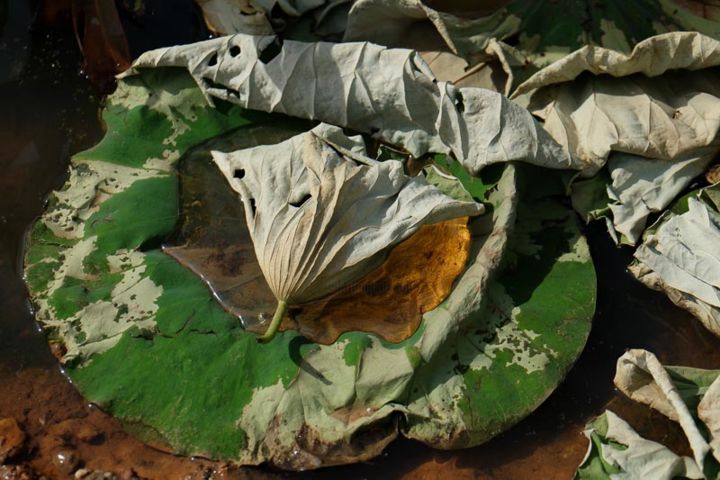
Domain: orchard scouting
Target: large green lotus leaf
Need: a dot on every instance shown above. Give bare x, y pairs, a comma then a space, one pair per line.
146, 339
508, 358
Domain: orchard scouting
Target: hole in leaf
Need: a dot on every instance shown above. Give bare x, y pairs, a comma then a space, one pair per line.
302, 201
459, 102
271, 51
234, 51
213, 60
239, 173
210, 83
253, 206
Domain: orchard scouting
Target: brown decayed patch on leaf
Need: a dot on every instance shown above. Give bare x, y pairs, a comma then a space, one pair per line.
415, 278
709, 9
367, 442
713, 174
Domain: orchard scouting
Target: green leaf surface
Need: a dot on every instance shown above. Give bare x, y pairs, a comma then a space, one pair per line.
148, 342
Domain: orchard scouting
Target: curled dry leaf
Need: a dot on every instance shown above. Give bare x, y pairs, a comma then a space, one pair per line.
689, 396
615, 110
616, 451
531, 34
642, 377
402, 282
321, 217
389, 93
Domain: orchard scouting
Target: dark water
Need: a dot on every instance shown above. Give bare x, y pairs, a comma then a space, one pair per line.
48, 111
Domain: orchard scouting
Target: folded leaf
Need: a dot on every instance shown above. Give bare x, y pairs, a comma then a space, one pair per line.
640, 376
640, 187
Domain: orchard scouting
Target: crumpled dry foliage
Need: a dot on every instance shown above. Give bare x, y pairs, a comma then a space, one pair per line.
650, 115
682, 257
466, 62
688, 396
389, 93
641, 187
657, 118
642, 377
625, 455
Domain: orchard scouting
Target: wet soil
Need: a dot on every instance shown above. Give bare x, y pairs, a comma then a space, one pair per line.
48, 111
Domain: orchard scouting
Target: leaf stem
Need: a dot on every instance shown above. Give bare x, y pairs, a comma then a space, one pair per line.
277, 318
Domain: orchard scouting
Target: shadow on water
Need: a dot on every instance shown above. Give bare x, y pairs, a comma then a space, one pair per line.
45, 114
48, 111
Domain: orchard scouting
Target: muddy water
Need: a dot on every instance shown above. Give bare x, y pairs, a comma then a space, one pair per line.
48, 111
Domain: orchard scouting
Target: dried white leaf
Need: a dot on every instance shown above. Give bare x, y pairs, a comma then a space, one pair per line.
641, 186
638, 457
390, 93
321, 216
685, 253
652, 115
